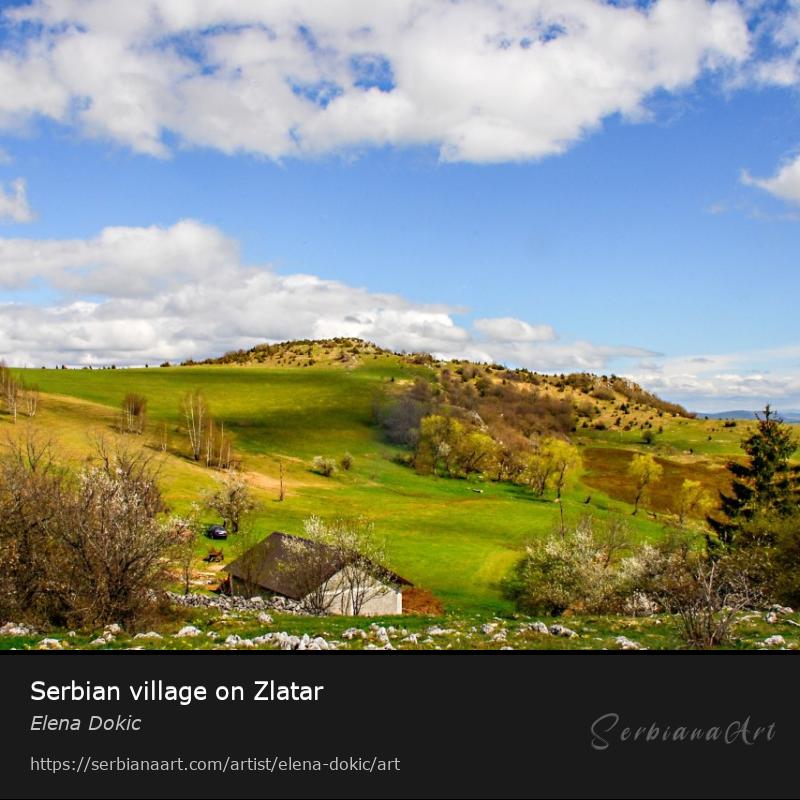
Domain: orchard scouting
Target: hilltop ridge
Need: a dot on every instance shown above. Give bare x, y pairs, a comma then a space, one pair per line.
599, 401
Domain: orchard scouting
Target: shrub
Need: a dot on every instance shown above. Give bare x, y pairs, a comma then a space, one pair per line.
569, 571
323, 466
347, 462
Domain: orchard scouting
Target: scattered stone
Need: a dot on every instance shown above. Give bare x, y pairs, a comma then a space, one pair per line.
412, 638
265, 618
435, 630
775, 641
114, 629
148, 635
624, 643
352, 633
782, 611
563, 631
500, 636
16, 629
236, 603
188, 630
488, 627
538, 627
50, 644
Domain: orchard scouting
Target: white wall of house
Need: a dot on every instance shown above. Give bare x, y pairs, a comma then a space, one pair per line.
381, 599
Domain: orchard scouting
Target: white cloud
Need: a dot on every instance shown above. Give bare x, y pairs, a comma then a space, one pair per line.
14, 203
141, 295
508, 329
136, 295
480, 80
784, 184
727, 381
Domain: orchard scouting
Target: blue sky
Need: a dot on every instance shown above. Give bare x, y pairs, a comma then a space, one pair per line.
623, 196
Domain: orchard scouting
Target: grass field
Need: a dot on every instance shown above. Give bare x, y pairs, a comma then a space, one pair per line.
456, 538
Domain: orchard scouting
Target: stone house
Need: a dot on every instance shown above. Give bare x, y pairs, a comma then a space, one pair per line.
294, 568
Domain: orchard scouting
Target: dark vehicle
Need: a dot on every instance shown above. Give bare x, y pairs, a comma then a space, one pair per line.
216, 532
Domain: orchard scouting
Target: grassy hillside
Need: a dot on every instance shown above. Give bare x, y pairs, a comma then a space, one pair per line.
455, 538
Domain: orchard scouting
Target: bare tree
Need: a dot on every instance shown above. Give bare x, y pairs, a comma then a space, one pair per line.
362, 555
30, 396
163, 437
81, 550
184, 531
195, 414
707, 599
231, 501
133, 413
281, 493
10, 388
339, 565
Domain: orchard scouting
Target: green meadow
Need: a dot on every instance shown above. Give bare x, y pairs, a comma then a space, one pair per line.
454, 538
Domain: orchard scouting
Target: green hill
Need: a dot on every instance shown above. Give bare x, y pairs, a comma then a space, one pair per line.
454, 538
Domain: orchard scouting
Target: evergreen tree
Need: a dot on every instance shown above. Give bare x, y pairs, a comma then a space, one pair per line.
767, 485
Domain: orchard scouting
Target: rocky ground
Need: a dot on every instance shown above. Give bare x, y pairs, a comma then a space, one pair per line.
240, 624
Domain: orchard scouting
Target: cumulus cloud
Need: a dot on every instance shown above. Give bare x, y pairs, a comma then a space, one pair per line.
508, 329
480, 80
726, 381
137, 295
14, 201
784, 184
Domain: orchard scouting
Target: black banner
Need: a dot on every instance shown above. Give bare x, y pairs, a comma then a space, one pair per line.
399, 725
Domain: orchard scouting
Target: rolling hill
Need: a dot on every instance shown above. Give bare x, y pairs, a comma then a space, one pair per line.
285, 404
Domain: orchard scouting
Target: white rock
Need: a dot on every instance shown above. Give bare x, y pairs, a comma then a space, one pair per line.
114, 629
624, 643
539, 627
15, 629
488, 627
265, 618
435, 630
50, 644
771, 617
148, 635
412, 638
775, 641
188, 630
563, 631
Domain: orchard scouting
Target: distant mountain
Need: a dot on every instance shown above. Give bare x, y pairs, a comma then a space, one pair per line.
787, 416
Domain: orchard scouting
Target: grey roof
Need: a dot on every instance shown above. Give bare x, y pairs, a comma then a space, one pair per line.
263, 564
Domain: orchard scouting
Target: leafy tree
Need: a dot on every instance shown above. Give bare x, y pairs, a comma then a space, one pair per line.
644, 470
766, 485
231, 501
692, 500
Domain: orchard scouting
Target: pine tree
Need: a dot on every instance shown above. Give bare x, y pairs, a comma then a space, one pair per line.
768, 484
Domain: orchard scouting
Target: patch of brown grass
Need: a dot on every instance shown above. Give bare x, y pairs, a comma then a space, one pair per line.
607, 470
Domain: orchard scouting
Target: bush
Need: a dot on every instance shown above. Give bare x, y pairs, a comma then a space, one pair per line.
347, 462
563, 572
323, 466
